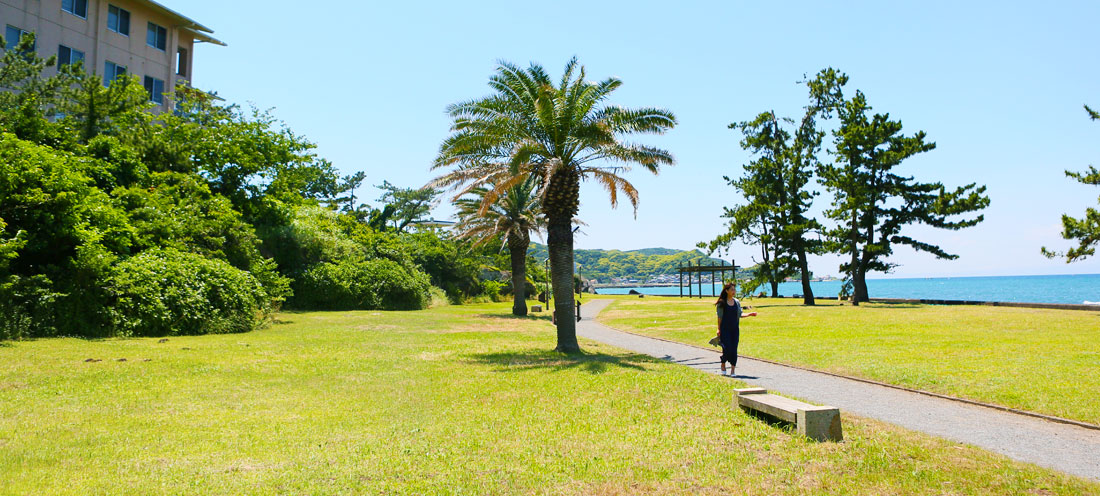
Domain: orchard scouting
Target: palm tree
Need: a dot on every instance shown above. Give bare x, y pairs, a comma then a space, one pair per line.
558, 135
511, 219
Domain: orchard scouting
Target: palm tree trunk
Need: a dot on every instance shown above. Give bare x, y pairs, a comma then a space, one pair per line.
560, 205
560, 244
517, 250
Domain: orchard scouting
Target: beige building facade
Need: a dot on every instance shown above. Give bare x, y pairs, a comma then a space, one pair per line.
112, 37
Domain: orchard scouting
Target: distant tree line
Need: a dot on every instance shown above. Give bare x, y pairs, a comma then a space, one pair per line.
604, 265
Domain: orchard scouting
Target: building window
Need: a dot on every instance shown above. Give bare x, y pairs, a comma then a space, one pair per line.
181, 61
12, 37
118, 20
155, 87
157, 37
112, 71
77, 8
66, 56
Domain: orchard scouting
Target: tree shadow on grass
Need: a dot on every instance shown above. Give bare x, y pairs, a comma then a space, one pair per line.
508, 316
593, 363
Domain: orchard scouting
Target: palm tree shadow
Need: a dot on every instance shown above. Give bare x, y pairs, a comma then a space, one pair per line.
543, 316
593, 363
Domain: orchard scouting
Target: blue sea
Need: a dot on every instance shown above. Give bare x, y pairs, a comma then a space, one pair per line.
1075, 289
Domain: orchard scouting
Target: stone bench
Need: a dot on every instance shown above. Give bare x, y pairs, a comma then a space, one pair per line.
820, 423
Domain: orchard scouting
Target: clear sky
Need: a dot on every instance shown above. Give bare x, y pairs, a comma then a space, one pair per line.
999, 86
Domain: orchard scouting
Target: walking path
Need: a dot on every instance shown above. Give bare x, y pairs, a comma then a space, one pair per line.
1068, 448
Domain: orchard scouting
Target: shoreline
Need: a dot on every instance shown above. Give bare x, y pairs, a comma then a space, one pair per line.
1077, 290
910, 301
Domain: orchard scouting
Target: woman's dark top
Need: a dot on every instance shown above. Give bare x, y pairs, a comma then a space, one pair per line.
735, 317
729, 328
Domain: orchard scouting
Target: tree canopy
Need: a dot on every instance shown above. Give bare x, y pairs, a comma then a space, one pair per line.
119, 220
1085, 230
872, 203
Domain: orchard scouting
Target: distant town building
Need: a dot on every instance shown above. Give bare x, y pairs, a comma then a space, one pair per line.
112, 38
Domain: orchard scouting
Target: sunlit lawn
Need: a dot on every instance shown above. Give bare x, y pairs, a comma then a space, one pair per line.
456, 400
1046, 361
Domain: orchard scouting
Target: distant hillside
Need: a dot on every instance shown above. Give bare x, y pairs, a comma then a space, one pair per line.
642, 265
656, 251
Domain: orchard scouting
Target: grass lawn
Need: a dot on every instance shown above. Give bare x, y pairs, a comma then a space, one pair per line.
1045, 361
454, 400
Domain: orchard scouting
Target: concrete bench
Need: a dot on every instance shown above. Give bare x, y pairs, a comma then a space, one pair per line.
820, 423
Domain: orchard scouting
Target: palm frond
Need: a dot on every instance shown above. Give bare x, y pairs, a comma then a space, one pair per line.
531, 127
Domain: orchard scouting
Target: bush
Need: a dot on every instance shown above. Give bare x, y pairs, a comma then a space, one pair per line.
178, 211
300, 236
378, 284
451, 265
493, 289
67, 236
167, 292
27, 307
438, 297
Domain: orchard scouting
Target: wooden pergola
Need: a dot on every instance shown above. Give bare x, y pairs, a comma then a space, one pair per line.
701, 272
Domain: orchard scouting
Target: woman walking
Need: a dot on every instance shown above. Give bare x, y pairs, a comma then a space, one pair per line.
729, 323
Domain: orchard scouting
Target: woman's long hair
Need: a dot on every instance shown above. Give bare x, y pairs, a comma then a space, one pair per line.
730, 289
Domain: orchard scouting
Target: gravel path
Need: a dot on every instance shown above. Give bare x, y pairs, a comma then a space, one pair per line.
1068, 448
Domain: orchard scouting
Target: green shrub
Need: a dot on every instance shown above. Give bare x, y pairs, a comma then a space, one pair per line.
438, 297
68, 236
451, 265
300, 236
167, 292
27, 307
178, 211
378, 284
493, 289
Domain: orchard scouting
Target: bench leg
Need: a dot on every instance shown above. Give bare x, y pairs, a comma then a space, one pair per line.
820, 424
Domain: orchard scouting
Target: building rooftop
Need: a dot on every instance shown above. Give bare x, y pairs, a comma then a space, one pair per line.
201, 33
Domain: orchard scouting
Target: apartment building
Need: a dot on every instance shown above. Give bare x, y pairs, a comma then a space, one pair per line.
111, 37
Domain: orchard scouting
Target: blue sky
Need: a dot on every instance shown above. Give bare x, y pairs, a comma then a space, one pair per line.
999, 86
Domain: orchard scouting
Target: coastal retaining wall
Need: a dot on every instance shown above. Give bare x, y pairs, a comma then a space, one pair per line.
1051, 306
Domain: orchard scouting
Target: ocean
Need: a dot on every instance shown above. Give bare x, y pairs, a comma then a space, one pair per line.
1073, 289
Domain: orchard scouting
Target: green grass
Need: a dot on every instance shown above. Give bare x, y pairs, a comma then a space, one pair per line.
455, 400
1045, 361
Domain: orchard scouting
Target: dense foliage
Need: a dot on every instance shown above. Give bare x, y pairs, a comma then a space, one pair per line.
118, 220
351, 284
165, 292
